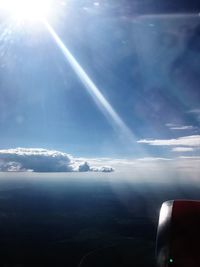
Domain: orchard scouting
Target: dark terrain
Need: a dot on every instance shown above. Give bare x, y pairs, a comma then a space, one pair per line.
82, 222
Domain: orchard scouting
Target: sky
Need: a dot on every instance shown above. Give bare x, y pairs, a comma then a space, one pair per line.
115, 85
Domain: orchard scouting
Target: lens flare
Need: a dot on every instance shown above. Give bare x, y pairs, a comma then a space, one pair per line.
92, 89
40, 10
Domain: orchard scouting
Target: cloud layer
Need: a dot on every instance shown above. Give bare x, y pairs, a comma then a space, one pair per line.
42, 160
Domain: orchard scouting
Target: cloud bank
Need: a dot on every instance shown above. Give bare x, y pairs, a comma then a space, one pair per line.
43, 160
153, 169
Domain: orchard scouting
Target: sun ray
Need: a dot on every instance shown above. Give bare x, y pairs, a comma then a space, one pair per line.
92, 89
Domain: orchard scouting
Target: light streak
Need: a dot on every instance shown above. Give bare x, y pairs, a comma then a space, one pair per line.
92, 89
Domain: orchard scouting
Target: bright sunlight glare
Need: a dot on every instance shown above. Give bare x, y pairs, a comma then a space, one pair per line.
32, 10
40, 10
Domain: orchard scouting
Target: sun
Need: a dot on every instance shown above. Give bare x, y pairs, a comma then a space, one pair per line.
27, 10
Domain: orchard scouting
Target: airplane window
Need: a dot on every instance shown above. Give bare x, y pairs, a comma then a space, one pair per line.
99, 125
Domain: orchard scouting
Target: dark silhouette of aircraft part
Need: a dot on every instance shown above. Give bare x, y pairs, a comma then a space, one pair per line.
178, 236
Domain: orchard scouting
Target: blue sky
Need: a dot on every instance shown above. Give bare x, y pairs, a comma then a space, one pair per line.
146, 67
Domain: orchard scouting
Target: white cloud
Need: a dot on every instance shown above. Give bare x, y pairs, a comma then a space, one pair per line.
102, 169
150, 159
192, 140
41, 160
182, 149
184, 127
173, 126
190, 157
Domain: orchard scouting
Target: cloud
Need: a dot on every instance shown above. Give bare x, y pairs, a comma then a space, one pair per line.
96, 164
148, 169
102, 169
11, 166
35, 159
190, 157
192, 140
194, 111
173, 126
84, 167
41, 160
154, 169
184, 127
152, 159
182, 149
